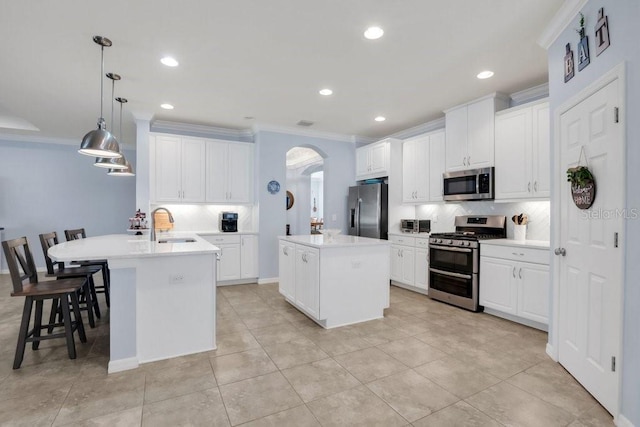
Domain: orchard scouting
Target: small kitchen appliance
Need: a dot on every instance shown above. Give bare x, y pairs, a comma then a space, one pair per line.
454, 259
415, 225
228, 221
471, 184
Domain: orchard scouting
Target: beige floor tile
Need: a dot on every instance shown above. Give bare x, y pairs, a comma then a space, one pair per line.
412, 352
355, 407
32, 409
258, 397
370, 364
295, 352
239, 366
276, 334
499, 364
412, 395
229, 325
102, 396
195, 409
340, 344
319, 379
235, 342
511, 406
461, 379
597, 416
184, 378
129, 418
460, 414
296, 417
263, 319
53, 376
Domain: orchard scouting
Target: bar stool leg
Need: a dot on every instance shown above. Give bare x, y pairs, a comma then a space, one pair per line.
54, 312
94, 297
24, 330
68, 329
76, 311
37, 325
106, 276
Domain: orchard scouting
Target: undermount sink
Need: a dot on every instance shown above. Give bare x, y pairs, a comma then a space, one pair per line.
177, 240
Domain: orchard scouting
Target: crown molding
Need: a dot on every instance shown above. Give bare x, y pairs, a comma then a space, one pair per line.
38, 139
305, 132
431, 126
567, 12
164, 126
531, 94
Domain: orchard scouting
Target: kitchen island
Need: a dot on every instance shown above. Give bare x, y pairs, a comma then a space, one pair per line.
335, 281
163, 295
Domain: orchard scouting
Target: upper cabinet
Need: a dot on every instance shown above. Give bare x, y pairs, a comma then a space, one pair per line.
178, 170
373, 160
422, 168
522, 152
230, 172
470, 133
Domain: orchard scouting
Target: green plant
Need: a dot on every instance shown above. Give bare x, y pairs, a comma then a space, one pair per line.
581, 29
579, 176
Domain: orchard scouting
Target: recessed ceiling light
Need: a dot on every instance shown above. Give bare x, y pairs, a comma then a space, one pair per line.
166, 106
373, 33
380, 119
169, 61
485, 74
325, 92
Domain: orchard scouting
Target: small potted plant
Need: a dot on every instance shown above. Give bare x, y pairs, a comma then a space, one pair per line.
583, 186
580, 176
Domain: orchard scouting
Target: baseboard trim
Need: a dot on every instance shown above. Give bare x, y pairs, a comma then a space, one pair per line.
623, 421
551, 352
268, 280
123, 365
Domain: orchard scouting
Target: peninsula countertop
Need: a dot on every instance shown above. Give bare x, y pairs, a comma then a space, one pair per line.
322, 241
123, 246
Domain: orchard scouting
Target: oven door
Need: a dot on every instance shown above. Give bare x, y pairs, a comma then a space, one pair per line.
453, 259
454, 288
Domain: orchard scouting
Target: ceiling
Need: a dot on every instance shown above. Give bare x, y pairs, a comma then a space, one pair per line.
246, 63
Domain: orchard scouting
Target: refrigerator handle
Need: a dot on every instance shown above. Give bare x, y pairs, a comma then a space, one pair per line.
352, 218
358, 216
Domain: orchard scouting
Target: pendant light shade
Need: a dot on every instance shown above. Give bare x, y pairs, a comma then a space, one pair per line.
100, 142
124, 167
128, 171
111, 163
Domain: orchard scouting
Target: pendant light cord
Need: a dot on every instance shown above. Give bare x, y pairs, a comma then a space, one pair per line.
113, 90
101, 121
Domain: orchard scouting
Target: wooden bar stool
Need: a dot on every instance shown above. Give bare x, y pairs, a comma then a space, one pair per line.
25, 283
79, 233
89, 299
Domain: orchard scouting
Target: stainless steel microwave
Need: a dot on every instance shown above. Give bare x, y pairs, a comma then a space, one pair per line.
472, 184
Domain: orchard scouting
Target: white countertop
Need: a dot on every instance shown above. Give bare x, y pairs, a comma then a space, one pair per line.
540, 244
400, 233
321, 241
123, 246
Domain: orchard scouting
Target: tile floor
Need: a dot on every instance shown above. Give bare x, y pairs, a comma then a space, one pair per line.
274, 367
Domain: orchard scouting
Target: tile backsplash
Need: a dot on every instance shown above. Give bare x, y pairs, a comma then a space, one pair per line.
442, 215
205, 217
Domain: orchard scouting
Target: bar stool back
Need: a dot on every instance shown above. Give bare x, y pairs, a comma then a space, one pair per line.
79, 233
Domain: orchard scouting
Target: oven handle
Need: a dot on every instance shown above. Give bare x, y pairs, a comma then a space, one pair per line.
451, 249
447, 273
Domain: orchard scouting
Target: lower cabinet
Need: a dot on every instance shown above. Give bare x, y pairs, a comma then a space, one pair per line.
238, 262
287, 270
410, 262
307, 280
514, 283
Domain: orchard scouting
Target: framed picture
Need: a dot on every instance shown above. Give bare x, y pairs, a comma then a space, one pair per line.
569, 65
602, 32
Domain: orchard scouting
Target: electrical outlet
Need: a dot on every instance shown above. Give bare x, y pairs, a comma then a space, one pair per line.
176, 278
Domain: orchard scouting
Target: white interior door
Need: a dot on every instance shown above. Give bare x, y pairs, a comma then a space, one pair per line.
590, 282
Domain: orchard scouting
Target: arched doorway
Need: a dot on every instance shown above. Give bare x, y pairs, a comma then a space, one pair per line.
305, 190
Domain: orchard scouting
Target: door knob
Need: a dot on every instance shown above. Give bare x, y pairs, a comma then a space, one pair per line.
560, 251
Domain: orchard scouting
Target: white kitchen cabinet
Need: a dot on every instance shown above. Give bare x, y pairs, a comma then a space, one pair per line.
415, 170
514, 283
410, 262
402, 263
522, 152
436, 166
287, 270
248, 256
230, 172
178, 169
373, 160
421, 275
307, 280
470, 133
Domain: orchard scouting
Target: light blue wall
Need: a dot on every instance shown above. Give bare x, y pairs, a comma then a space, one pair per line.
50, 187
339, 174
624, 16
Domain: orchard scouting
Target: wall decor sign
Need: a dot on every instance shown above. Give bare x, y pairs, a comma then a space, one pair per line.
583, 46
602, 32
569, 66
583, 184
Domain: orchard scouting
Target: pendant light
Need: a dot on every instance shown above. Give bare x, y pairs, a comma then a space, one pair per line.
99, 142
112, 162
127, 170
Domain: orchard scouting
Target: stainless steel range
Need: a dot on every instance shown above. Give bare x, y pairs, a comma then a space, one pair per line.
454, 259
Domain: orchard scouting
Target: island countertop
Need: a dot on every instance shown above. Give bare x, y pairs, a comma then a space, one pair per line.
322, 241
123, 246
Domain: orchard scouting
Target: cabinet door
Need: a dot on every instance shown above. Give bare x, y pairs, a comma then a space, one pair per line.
513, 155
396, 263
421, 275
456, 135
229, 265
421, 168
409, 149
436, 166
307, 281
240, 173
168, 169
379, 158
362, 162
541, 153
498, 288
193, 170
533, 292
287, 270
407, 255
480, 133
248, 256
217, 163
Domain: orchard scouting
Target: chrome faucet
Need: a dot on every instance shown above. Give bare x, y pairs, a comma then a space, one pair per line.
153, 221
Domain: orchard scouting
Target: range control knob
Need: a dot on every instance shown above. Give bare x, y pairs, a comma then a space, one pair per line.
468, 243
451, 242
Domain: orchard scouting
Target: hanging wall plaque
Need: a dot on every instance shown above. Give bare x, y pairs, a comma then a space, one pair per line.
602, 32
569, 69
583, 184
583, 46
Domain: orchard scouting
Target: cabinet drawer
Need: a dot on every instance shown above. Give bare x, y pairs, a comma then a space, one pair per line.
422, 242
402, 240
222, 239
524, 254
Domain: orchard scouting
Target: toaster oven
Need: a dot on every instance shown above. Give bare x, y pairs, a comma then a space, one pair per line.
415, 225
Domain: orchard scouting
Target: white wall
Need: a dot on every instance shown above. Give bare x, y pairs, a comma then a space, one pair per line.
623, 16
48, 187
339, 174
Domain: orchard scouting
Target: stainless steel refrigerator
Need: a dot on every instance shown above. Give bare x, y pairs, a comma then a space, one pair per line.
367, 206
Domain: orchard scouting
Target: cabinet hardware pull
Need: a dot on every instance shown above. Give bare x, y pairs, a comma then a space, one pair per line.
469, 161
535, 186
464, 161
514, 272
529, 187
520, 273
